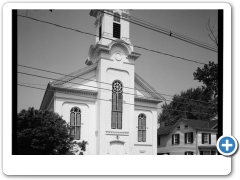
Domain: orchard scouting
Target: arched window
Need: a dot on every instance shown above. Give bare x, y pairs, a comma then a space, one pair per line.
117, 101
142, 128
116, 26
75, 122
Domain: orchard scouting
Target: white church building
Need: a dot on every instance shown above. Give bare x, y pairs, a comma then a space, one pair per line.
107, 103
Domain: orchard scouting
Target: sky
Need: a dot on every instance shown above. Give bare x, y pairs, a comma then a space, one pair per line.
59, 50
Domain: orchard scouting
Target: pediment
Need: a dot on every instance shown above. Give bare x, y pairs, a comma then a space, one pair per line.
144, 90
81, 79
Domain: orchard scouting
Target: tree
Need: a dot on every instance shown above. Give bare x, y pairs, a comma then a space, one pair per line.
191, 104
43, 133
213, 33
208, 75
200, 103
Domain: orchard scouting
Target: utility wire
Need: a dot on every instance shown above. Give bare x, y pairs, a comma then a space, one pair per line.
92, 86
111, 84
32, 84
64, 27
169, 33
167, 30
108, 100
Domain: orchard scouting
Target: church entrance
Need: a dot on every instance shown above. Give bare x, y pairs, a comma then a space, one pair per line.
117, 148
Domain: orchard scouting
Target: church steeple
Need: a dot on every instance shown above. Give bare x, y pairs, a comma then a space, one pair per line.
111, 24
112, 29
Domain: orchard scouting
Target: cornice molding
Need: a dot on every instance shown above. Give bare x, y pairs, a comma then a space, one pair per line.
146, 100
75, 91
142, 144
121, 133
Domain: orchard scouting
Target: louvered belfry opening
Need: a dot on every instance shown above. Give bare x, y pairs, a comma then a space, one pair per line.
116, 30
116, 26
117, 101
75, 123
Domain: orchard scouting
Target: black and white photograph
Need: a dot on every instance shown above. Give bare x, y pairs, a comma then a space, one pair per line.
117, 82
106, 79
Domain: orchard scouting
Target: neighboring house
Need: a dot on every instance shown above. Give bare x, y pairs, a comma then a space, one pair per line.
188, 137
106, 103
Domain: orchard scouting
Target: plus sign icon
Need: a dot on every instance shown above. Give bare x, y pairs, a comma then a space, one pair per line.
227, 145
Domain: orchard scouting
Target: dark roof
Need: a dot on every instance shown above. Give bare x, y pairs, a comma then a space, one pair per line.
164, 130
213, 123
196, 124
201, 124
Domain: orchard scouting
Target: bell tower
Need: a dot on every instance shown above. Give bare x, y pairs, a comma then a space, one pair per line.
113, 53
111, 25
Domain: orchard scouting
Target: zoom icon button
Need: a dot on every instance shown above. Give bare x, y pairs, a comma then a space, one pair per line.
227, 145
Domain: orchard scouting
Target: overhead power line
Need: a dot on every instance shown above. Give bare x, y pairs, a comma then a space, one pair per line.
104, 83
90, 86
167, 32
64, 27
109, 100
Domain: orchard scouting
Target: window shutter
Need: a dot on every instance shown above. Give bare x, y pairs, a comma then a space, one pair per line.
77, 133
113, 124
191, 137
78, 119
140, 124
178, 139
119, 119
72, 119
202, 138
114, 101
144, 124
119, 102
185, 137
172, 138
116, 30
144, 136
139, 135
209, 136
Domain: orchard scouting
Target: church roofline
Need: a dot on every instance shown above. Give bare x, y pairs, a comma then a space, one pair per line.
74, 90
48, 92
146, 99
148, 87
74, 75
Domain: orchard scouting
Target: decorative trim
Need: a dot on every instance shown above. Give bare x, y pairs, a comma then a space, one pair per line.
74, 75
128, 63
150, 101
125, 15
119, 44
108, 59
78, 91
117, 133
103, 51
142, 144
118, 141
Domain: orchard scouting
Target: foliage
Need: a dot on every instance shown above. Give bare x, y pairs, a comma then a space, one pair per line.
208, 75
213, 33
200, 103
43, 133
191, 104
